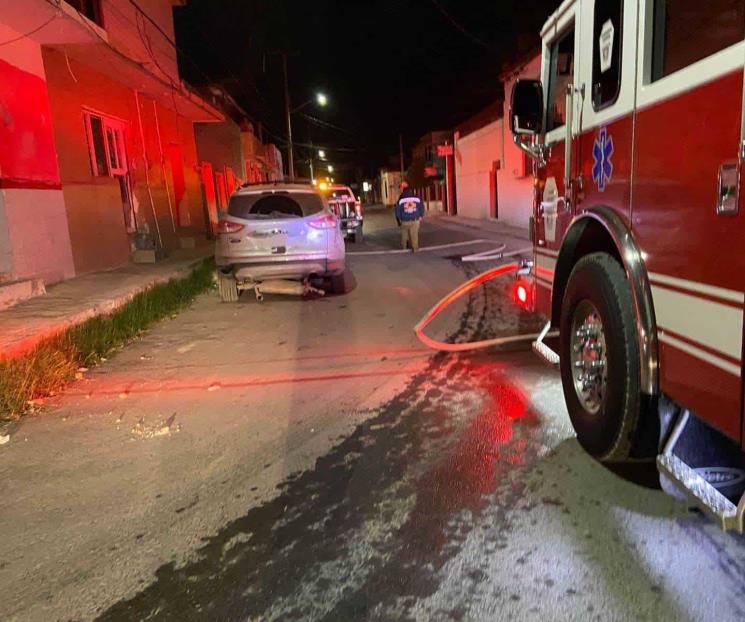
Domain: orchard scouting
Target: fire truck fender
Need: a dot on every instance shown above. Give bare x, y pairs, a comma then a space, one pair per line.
601, 229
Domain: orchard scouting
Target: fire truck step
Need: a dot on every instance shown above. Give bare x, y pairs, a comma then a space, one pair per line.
546, 353
703, 467
700, 492
542, 350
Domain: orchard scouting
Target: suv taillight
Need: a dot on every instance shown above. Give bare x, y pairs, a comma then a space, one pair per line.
358, 208
327, 221
226, 226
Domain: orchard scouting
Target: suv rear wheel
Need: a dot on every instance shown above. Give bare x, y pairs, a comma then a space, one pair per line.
600, 371
227, 287
338, 283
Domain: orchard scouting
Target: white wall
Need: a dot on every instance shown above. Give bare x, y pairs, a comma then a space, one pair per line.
389, 181
475, 154
515, 192
38, 234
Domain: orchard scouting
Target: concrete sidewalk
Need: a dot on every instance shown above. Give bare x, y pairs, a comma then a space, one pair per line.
72, 302
483, 225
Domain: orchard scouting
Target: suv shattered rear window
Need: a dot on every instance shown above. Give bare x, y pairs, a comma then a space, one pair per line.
275, 205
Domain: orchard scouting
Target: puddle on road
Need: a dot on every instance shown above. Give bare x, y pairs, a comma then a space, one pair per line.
367, 531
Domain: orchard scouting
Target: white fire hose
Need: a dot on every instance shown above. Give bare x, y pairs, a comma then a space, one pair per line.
461, 290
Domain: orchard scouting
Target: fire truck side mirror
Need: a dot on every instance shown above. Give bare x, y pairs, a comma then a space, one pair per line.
526, 108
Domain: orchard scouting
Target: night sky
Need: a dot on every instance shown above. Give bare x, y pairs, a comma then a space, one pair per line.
407, 66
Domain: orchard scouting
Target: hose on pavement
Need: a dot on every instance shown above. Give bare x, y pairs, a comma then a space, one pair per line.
463, 289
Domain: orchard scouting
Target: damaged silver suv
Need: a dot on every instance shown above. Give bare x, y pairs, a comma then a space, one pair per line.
274, 238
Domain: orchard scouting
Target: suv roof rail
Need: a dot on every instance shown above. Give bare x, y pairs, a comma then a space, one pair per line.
276, 182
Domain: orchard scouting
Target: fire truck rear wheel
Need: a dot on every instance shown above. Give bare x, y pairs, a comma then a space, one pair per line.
600, 360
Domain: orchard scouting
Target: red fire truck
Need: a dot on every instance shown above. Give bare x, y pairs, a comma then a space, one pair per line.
637, 133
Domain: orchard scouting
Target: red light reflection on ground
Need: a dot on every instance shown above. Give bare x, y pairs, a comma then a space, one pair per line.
476, 466
112, 386
404, 291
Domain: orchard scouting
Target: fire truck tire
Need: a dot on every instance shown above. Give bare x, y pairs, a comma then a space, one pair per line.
227, 287
600, 350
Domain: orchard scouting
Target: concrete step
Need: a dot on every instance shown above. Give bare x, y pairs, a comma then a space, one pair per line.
149, 255
13, 292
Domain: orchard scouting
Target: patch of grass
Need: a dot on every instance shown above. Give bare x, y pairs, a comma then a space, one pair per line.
53, 363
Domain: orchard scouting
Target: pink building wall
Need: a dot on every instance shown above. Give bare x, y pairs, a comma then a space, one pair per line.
57, 218
34, 238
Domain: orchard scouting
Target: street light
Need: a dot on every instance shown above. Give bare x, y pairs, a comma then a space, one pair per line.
331, 169
321, 154
320, 99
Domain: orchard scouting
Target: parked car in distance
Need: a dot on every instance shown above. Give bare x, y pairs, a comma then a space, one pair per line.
277, 230
347, 208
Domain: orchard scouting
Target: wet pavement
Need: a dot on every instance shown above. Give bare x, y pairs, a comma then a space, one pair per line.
323, 466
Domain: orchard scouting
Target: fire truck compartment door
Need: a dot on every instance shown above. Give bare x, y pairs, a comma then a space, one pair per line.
688, 125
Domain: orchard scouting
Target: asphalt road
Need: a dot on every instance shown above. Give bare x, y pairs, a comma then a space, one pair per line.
310, 460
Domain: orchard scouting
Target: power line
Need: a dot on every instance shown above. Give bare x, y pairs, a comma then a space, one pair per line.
316, 147
30, 32
458, 26
173, 44
323, 123
129, 59
193, 62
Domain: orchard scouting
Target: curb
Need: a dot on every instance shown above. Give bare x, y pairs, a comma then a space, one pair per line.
20, 347
490, 226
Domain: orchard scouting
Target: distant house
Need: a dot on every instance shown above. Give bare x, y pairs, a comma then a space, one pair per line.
220, 152
427, 172
273, 162
424, 154
493, 177
230, 153
97, 143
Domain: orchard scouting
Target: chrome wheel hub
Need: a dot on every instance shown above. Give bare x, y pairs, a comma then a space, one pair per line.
588, 357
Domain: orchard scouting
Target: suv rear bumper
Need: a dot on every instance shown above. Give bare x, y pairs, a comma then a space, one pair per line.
300, 269
350, 226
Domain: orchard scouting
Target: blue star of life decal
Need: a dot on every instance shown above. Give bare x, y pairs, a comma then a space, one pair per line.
602, 151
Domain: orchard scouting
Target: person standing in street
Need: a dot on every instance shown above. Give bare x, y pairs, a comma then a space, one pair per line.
409, 213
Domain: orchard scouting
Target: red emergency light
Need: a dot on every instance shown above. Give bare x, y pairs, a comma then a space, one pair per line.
522, 294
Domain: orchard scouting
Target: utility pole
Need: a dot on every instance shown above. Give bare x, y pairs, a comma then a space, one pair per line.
401, 153
290, 162
311, 161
